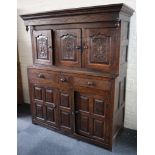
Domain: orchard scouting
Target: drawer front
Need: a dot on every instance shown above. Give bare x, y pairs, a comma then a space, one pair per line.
92, 82
38, 76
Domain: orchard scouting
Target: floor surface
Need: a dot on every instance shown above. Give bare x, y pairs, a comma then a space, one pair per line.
37, 140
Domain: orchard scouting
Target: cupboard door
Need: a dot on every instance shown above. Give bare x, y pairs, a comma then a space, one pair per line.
91, 116
51, 106
99, 45
38, 103
99, 118
65, 111
42, 47
68, 47
82, 114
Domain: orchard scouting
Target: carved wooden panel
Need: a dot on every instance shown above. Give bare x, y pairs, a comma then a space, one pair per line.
64, 100
68, 47
99, 45
39, 110
68, 42
38, 93
65, 119
99, 107
98, 128
42, 47
49, 96
50, 114
83, 103
82, 124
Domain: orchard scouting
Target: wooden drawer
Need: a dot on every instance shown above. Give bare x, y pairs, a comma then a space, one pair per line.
39, 76
92, 82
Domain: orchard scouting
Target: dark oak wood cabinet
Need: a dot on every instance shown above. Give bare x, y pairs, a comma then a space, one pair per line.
78, 79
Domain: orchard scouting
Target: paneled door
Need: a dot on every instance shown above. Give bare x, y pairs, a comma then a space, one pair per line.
68, 47
65, 110
38, 102
91, 116
44, 102
99, 48
51, 106
42, 47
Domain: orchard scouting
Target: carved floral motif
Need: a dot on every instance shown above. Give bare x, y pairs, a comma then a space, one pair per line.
99, 48
68, 43
42, 47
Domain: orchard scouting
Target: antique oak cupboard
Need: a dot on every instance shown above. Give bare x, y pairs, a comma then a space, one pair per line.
78, 78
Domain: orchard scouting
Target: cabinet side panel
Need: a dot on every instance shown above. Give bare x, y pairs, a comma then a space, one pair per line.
120, 82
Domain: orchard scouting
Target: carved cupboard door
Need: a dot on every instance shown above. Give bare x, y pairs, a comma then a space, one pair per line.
42, 47
65, 110
68, 47
92, 116
98, 48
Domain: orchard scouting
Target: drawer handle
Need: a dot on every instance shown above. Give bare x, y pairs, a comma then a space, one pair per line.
54, 106
63, 79
90, 83
41, 76
85, 47
78, 47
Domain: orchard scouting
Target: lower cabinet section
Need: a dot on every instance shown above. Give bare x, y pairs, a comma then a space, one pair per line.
81, 111
77, 113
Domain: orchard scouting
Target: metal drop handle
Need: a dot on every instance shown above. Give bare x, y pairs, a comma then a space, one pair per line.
62, 79
90, 83
41, 76
78, 47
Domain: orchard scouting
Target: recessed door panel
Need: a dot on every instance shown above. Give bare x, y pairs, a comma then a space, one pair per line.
39, 113
38, 93
98, 129
99, 107
68, 47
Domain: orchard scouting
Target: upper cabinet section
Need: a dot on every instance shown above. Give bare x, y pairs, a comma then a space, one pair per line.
85, 38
